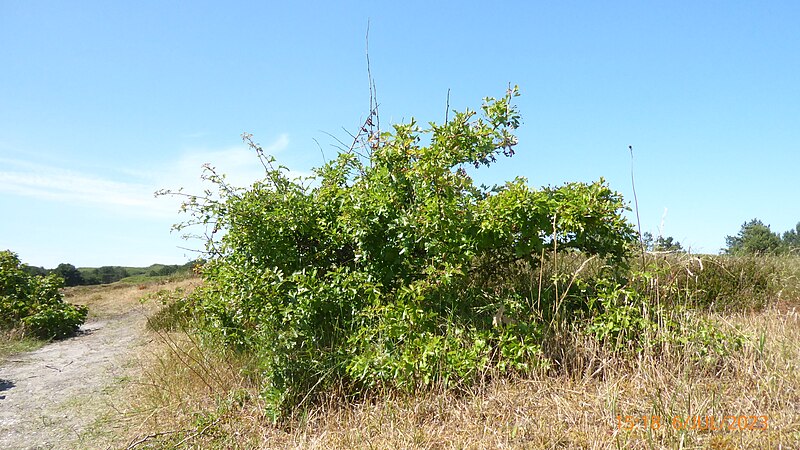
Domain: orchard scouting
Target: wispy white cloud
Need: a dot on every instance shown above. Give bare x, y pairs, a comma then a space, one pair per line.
53, 183
195, 135
239, 164
67, 186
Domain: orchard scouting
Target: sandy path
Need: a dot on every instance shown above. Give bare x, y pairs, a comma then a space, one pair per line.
50, 397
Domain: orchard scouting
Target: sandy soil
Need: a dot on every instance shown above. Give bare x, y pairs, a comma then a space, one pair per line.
51, 398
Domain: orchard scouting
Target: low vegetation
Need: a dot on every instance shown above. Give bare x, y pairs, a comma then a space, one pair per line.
32, 306
16, 341
735, 355
392, 302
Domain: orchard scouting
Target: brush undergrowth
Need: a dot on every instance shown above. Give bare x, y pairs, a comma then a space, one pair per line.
690, 361
16, 341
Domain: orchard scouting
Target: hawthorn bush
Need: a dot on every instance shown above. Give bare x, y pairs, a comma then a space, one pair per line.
34, 303
382, 271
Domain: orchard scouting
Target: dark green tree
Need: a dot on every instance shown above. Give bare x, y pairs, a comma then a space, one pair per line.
791, 239
661, 243
36, 271
110, 274
667, 244
70, 274
754, 238
647, 241
91, 277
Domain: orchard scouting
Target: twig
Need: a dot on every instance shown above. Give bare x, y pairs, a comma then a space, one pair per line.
61, 369
190, 249
447, 108
175, 349
324, 160
153, 436
369, 74
571, 281
192, 436
266, 163
541, 274
555, 260
373, 105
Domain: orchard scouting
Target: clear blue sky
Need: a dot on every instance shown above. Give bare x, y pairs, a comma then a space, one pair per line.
102, 103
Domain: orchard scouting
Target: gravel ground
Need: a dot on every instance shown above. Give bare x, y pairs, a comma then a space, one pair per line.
51, 397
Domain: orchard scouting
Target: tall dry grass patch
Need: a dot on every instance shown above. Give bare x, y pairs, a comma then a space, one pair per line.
117, 299
192, 401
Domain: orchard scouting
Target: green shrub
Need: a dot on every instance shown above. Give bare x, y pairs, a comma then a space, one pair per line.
634, 319
34, 302
737, 282
621, 317
719, 283
176, 310
367, 277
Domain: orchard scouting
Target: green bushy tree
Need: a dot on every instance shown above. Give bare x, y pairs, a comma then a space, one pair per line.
754, 238
35, 271
791, 239
104, 275
71, 275
34, 302
379, 272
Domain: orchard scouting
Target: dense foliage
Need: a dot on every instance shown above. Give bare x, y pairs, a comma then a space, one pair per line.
756, 238
385, 269
391, 269
791, 239
34, 303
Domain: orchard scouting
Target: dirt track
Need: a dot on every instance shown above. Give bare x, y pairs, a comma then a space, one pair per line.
52, 398
53, 394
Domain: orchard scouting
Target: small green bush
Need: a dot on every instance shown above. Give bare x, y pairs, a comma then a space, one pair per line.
737, 282
34, 302
632, 319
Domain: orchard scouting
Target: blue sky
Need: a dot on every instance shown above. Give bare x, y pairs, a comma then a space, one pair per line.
102, 103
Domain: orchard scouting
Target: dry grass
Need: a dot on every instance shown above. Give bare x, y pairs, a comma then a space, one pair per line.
15, 341
119, 303
117, 299
194, 399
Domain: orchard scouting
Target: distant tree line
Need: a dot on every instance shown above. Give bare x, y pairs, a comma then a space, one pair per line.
661, 243
74, 276
756, 238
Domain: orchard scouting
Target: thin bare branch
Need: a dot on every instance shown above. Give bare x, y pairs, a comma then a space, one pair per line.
636, 204
324, 160
447, 108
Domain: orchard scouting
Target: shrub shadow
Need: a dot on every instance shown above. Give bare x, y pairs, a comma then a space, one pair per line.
6, 385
